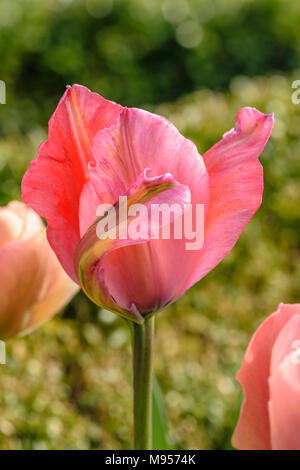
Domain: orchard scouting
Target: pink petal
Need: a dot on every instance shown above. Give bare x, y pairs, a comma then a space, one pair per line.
33, 285
22, 278
284, 407
59, 291
253, 429
236, 186
289, 333
18, 222
11, 226
92, 251
53, 183
284, 384
32, 224
158, 269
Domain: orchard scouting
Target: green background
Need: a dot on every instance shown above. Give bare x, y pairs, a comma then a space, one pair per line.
68, 384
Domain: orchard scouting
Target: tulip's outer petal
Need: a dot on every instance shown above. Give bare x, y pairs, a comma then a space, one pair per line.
53, 183
23, 274
253, 429
33, 285
284, 384
59, 291
141, 140
236, 186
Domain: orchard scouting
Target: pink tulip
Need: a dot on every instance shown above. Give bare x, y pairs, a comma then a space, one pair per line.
270, 377
33, 284
97, 151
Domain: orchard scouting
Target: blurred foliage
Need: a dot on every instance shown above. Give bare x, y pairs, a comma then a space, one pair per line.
68, 385
137, 52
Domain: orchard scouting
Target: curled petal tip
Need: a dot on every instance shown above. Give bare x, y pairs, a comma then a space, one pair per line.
250, 119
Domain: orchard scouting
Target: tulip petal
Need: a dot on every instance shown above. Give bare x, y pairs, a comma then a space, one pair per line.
284, 384
53, 183
90, 254
284, 406
139, 140
236, 186
33, 284
11, 226
18, 222
23, 278
60, 290
285, 343
253, 429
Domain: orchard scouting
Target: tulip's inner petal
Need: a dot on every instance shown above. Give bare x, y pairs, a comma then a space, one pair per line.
288, 340
253, 429
117, 229
141, 140
236, 186
53, 183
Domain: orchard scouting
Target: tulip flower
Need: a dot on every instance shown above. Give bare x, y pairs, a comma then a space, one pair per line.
33, 285
99, 151
270, 377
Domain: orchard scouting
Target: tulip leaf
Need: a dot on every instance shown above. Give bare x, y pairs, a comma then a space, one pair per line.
159, 423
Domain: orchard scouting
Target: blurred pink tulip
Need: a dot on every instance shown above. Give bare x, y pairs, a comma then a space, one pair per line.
33, 285
97, 151
270, 377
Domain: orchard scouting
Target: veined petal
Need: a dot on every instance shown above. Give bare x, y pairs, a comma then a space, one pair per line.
236, 186
92, 250
137, 141
253, 429
53, 183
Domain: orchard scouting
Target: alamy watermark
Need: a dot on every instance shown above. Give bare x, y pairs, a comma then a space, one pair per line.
2, 352
152, 222
296, 94
2, 92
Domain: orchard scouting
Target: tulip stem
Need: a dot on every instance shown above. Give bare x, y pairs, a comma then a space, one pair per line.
143, 338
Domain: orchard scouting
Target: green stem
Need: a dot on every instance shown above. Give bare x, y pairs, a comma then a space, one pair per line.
143, 336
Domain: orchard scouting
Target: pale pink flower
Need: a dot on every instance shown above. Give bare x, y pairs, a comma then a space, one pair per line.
33, 285
270, 377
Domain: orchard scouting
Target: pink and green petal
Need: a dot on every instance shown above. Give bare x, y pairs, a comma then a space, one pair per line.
54, 181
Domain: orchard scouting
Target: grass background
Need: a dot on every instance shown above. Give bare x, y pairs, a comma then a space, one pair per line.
68, 384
